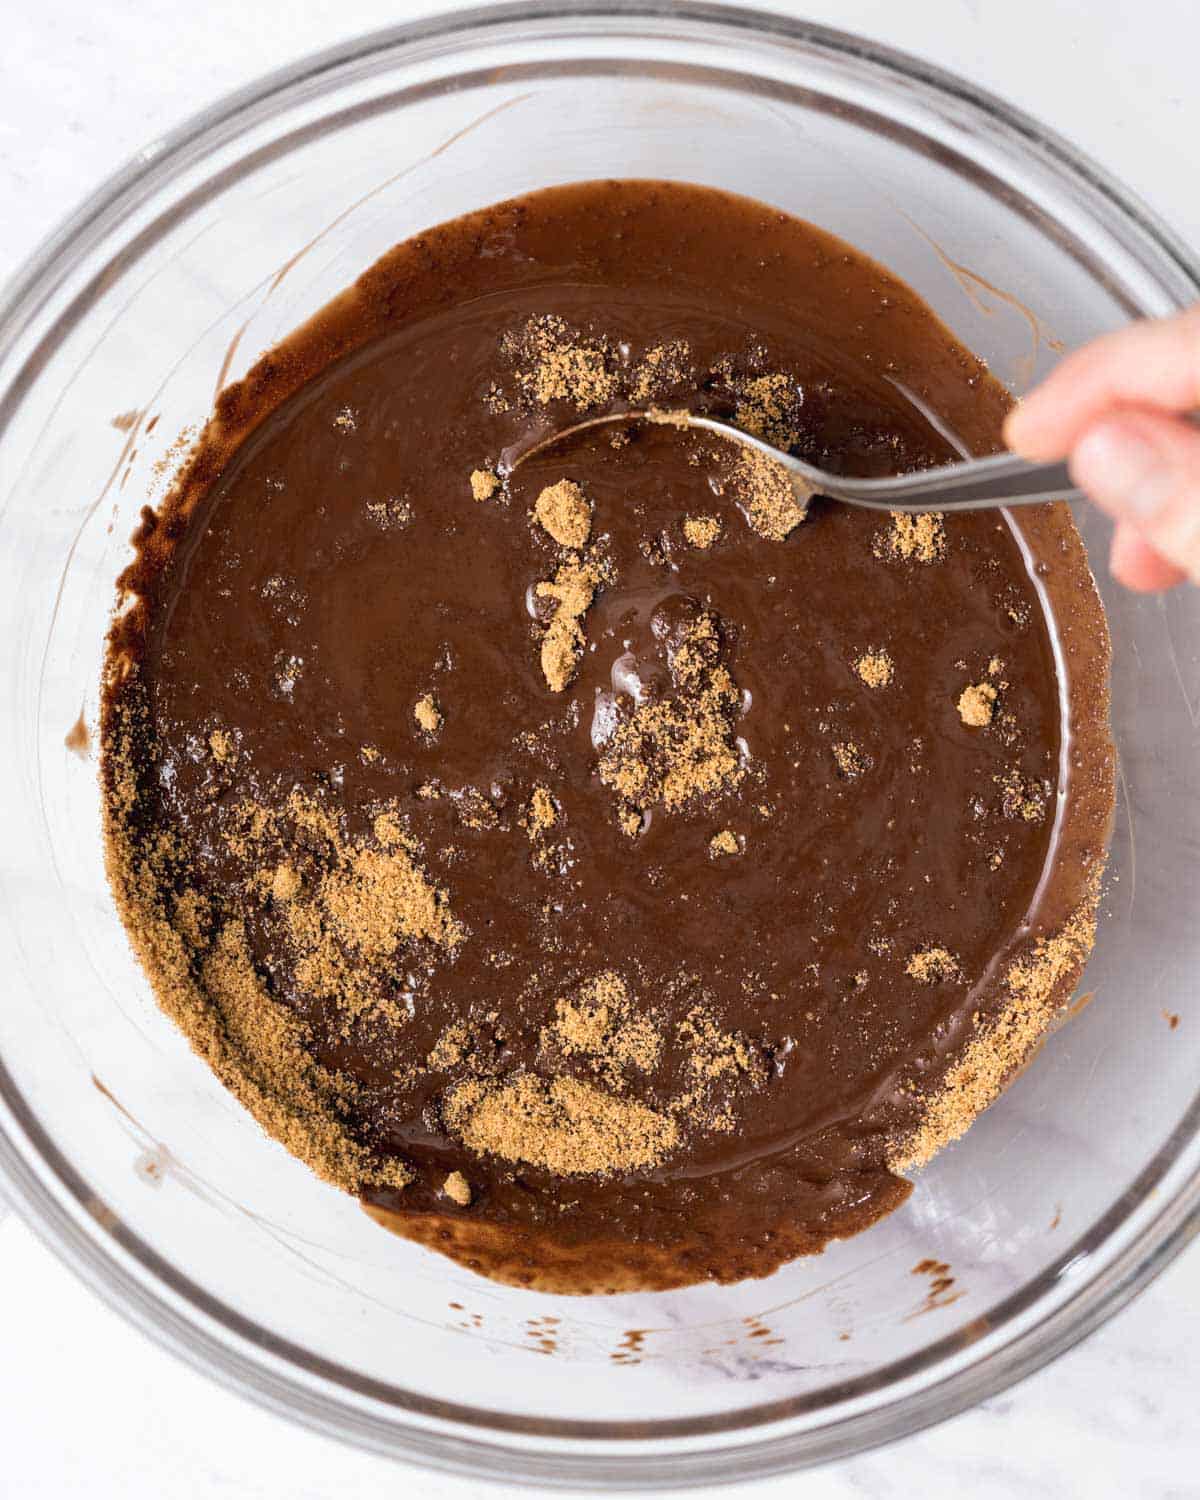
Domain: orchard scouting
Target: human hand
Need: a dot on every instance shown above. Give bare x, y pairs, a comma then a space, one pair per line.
1113, 409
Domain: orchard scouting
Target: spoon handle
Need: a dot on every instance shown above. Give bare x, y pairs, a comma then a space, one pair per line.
976, 484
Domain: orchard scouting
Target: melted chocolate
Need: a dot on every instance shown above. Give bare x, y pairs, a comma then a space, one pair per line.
324, 564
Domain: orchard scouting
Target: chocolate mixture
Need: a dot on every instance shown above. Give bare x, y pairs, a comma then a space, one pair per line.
612, 874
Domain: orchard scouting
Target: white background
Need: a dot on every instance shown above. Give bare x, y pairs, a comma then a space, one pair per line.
87, 1406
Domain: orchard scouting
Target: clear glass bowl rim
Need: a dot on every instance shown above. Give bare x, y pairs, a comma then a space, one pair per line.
180, 1316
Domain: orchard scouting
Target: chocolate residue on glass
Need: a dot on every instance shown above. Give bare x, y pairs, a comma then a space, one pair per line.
591, 865
78, 738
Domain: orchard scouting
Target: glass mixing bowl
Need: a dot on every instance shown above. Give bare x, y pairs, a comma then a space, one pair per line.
119, 1146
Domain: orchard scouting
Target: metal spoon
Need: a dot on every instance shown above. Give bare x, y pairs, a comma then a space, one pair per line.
973, 484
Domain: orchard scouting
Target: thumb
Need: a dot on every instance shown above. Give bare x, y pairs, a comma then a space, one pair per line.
1144, 470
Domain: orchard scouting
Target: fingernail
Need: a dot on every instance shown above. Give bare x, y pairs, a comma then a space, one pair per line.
1122, 470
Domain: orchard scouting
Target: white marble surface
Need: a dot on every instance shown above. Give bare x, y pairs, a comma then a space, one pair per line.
90, 1408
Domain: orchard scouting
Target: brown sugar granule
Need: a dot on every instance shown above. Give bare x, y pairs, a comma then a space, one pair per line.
390, 515
457, 1189
716, 1059
1034, 984
375, 900
712, 1052
553, 859
767, 406
913, 538
452, 1047
677, 416
564, 1125
427, 713
1034, 979
473, 809
357, 909
702, 531
174, 461
875, 668
1021, 797
557, 363
975, 705
675, 749
484, 483
932, 965
223, 746
1008, 728
659, 369
285, 883
572, 1126
851, 762
257, 1051
602, 1025
387, 828
573, 589
724, 842
695, 651
215, 995
541, 814
563, 511
193, 917
770, 500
